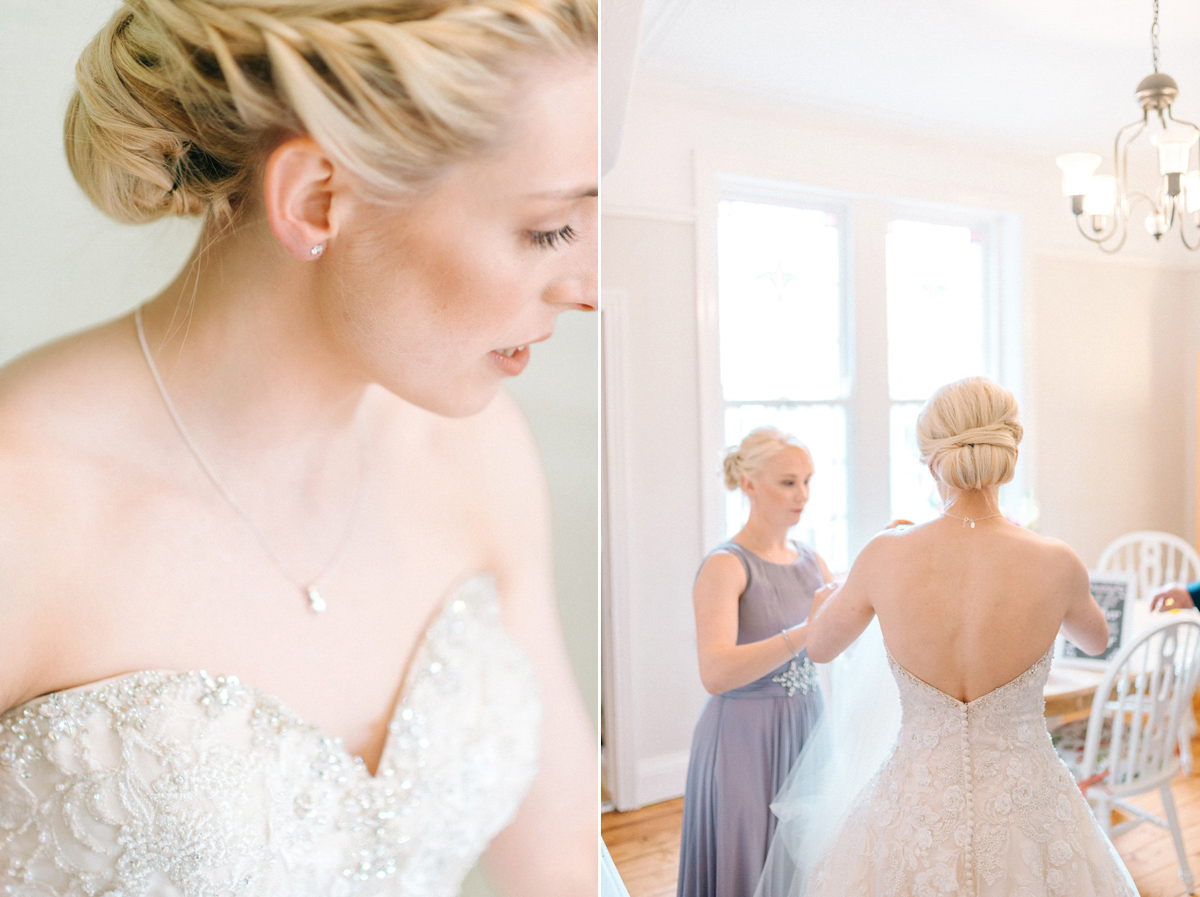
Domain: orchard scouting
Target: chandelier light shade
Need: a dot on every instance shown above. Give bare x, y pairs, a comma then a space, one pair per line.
1104, 203
1077, 169
1101, 196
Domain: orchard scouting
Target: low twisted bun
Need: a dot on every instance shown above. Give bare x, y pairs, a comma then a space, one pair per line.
968, 434
179, 100
748, 457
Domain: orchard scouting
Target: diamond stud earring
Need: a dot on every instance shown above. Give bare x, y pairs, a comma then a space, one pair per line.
317, 250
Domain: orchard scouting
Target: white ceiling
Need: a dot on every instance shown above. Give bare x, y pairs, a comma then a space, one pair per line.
1056, 74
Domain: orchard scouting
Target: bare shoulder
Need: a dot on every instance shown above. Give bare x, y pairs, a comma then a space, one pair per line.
1055, 556
51, 401
37, 440
724, 570
891, 544
69, 392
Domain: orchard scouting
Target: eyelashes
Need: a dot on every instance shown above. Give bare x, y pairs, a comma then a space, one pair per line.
552, 239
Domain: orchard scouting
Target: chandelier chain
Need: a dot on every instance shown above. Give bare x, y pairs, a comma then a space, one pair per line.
1154, 37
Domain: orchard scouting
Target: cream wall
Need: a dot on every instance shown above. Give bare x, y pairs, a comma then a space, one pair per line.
1105, 381
64, 266
1114, 350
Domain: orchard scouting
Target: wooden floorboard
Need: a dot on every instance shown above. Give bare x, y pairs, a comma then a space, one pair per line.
645, 844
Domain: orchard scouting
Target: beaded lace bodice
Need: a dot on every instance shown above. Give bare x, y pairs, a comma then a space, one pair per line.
973, 800
184, 783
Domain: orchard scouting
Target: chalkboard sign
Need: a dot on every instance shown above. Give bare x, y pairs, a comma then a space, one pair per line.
1115, 592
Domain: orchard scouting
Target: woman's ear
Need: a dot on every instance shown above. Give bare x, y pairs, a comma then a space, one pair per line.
298, 193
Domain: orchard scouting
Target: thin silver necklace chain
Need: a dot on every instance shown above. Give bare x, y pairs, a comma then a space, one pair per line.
308, 589
970, 520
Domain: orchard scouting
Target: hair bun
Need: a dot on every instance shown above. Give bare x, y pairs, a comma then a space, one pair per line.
968, 434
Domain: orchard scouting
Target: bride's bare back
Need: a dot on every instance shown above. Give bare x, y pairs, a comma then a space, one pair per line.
969, 609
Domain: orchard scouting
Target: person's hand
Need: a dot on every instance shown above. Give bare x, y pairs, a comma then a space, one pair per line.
1172, 596
822, 594
899, 521
1085, 784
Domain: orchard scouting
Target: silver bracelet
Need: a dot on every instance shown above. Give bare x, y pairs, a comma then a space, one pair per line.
787, 641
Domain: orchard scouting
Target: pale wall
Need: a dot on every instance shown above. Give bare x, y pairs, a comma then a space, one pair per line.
1106, 381
1116, 372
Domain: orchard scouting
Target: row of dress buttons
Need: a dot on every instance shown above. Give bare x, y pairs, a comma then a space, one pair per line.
968, 852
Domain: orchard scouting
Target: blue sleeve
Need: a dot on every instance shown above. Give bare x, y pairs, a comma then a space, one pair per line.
1194, 590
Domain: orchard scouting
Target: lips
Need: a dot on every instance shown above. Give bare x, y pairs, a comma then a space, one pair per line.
510, 361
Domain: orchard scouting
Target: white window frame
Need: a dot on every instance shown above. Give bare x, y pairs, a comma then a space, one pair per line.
864, 304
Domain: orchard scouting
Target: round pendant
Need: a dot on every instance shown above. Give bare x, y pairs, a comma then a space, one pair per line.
315, 601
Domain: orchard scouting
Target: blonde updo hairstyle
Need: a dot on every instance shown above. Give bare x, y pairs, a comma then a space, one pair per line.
747, 458
179, 101
968, 434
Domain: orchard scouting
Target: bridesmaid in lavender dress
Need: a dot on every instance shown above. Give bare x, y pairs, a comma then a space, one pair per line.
752, 598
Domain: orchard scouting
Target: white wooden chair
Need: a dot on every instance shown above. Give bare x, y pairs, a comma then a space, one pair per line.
1133, 734
1155, 558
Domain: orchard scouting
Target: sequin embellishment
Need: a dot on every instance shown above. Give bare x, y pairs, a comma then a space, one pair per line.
189, 783
800, 676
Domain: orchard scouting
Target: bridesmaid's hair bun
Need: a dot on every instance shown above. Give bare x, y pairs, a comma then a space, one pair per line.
749, 457
968, 434
179, 101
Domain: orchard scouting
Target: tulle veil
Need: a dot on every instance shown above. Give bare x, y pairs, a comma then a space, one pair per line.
855, 736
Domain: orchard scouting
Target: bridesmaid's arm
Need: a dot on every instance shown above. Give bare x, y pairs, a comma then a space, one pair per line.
550, 846
724, 664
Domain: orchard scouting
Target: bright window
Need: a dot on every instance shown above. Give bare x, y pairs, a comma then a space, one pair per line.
827, 343
782, 348
937, 317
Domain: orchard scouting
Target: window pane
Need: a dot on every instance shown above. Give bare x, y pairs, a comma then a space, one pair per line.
914, 493
779, 303
823, 429
935, 307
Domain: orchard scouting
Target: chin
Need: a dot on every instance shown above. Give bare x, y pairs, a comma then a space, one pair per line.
464, 402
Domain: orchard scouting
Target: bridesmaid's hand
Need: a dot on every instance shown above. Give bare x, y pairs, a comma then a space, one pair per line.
899, 521
820, 596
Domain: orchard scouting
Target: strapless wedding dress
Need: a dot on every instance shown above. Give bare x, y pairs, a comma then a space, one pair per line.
972, 801
186, 784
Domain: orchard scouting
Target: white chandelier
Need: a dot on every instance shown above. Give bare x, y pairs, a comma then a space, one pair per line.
1102, 203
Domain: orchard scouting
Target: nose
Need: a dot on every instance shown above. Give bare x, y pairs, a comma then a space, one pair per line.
575, 293
576, 288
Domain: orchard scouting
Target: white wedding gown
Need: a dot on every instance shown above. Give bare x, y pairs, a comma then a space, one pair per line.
185, 784
973, 800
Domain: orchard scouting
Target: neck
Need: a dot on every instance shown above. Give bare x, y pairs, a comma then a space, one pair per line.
973, 503
764, 537
244, 352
